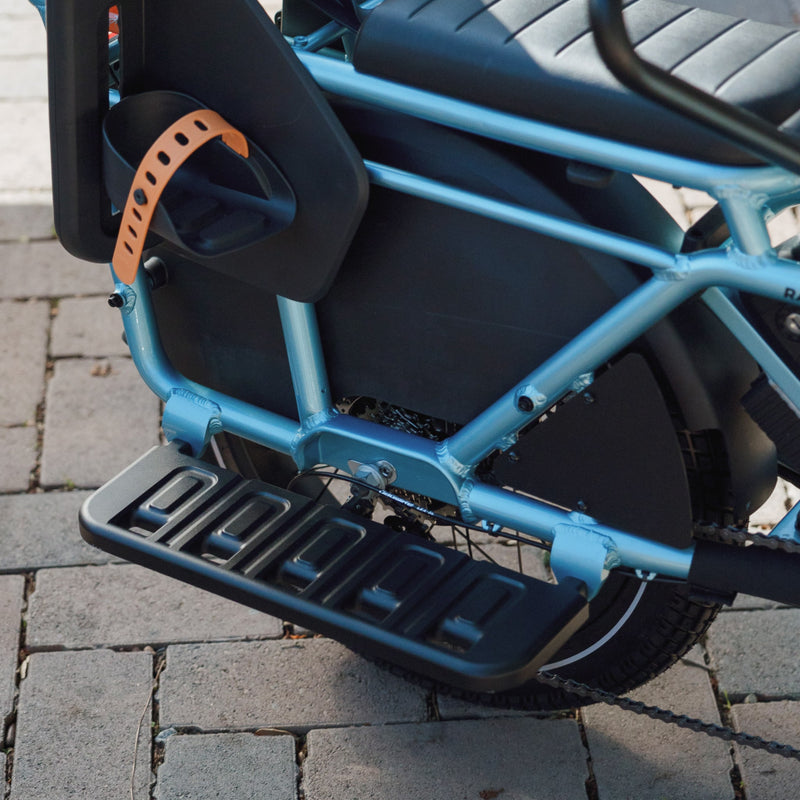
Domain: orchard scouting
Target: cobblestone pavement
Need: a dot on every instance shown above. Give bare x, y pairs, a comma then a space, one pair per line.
117, 683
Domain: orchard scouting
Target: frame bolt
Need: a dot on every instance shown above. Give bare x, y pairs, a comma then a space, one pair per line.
116, 300
525, 404
791, 325
140, 197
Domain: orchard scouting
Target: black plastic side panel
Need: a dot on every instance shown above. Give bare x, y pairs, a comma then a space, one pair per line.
77, 54
618, 433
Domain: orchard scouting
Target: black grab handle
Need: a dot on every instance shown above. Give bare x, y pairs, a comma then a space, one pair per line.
744, 128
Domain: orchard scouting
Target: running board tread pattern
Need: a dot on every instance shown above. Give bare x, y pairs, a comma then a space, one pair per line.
391, 595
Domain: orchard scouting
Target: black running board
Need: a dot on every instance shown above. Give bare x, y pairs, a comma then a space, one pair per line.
394, 596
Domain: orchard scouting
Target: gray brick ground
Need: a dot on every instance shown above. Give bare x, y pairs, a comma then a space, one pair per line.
41, 530
231, 765
22, 36
77, 723
635, 756
12, 591
14, 9
783, 498
746, 602
123, 604
27, 83
86, 326
45, 269
24, 215
25, 120
765, 776
755, 652
454, 708
292, 685
18, 446
22, 360
514, 759
95, 424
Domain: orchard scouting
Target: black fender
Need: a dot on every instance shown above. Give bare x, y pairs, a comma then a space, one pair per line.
441, 311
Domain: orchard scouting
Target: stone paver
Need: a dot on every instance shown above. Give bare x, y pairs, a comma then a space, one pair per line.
756, 652
513, 759
123, 604
11, 9
288, 684
30, 166
30, 82
782, 499
455, 708
41, 530
86, 326
12, 593
18, 446
746, 602
45, 269
77, 726
22, 360
23, 215
22, 36
230, 765
766, 777
636, 757
99, 418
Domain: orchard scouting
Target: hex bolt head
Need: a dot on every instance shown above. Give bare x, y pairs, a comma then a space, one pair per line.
140, 197
116, 300
525, 404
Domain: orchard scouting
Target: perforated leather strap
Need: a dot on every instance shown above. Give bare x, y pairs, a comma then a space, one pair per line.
156, 169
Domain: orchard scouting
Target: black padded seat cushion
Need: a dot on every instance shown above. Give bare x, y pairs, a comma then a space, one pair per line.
537, 59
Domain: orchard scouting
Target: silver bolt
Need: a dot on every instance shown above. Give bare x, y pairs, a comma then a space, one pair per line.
791, 323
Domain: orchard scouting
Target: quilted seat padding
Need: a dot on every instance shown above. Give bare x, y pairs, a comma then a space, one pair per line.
537, 59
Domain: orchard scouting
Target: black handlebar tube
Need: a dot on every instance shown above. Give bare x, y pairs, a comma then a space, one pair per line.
742, 127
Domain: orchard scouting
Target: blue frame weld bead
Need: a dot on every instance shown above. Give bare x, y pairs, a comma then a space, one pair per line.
191, 419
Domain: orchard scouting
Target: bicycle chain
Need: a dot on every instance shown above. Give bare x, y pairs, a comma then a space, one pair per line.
665, 715
732, 536
741, 536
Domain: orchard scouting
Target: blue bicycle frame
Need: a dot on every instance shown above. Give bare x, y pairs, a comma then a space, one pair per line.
581, 546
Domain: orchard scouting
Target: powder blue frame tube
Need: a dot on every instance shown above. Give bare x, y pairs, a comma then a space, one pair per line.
446, 470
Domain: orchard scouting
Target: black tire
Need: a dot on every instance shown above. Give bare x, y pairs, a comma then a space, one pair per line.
636, 629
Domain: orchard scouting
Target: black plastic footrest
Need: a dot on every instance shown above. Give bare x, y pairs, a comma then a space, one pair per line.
421, 605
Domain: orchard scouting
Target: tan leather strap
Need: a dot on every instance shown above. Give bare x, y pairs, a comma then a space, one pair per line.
156, 169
